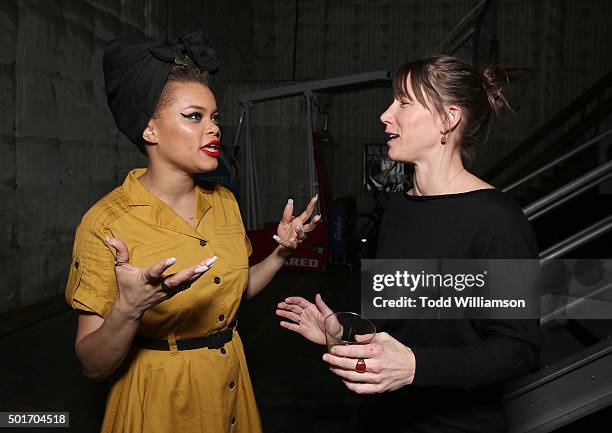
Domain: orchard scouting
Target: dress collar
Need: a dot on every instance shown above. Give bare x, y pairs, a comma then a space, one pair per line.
162, 215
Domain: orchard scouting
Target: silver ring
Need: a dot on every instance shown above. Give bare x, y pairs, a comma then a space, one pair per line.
119, 262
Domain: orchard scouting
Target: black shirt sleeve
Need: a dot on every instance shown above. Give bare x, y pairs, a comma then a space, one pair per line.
508, 349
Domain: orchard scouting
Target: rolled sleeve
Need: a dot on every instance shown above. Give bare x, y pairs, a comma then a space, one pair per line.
91, 285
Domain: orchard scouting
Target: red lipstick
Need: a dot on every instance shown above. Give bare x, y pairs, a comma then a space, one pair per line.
212, 149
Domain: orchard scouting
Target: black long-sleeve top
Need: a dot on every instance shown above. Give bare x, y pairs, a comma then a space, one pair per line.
461, 365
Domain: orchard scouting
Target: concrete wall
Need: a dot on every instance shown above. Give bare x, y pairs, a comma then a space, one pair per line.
59, 148
60, 151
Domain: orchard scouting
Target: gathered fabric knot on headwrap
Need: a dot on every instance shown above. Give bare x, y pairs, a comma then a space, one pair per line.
193, 49
135, 72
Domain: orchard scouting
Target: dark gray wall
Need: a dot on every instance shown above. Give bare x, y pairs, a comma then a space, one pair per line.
60, 151
59, 148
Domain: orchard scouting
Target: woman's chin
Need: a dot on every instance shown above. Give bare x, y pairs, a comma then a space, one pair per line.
208, 167
396, 156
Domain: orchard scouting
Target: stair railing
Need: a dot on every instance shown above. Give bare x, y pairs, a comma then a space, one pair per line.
560, 120
577, 240
568, 191
558, 160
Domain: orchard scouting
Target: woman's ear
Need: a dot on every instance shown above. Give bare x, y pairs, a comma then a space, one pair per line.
453, 115
150, 133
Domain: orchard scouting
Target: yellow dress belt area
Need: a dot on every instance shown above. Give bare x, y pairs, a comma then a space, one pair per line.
213, 341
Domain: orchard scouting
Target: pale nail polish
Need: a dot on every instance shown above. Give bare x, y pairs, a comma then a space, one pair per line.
212, 260
276, 238
200, 269
290, 201
170, 261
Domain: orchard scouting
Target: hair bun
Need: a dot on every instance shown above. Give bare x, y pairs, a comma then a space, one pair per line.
495, 81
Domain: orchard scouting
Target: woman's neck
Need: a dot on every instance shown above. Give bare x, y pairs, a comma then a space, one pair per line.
442, 176
168, 185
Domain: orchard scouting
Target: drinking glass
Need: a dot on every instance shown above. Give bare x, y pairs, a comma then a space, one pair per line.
345, 328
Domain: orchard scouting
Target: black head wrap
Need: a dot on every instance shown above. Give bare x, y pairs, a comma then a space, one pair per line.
135, 72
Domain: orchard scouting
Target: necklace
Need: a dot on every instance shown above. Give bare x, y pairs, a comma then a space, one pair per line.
416, 188
455, 177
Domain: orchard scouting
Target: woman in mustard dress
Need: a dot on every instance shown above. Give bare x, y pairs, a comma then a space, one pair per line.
160, 264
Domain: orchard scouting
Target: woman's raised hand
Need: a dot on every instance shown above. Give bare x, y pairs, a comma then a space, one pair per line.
305, 317
291, 230
140, 289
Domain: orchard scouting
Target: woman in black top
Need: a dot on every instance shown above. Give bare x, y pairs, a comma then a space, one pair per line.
438, 375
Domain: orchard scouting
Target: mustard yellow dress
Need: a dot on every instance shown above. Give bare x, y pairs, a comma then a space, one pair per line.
187, 391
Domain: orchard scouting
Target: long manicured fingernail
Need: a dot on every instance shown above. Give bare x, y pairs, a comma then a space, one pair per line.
290, 201
170, 261
316, 196
200, 269
276, 238
212, 260
325, 357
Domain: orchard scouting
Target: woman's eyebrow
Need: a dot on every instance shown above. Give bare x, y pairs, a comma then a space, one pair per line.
199, 107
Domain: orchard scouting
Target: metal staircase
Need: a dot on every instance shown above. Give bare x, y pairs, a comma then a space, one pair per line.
572, 219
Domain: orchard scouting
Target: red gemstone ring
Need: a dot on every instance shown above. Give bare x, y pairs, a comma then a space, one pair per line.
360, 367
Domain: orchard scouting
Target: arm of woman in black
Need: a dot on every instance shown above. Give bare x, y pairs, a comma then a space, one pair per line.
507, 349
